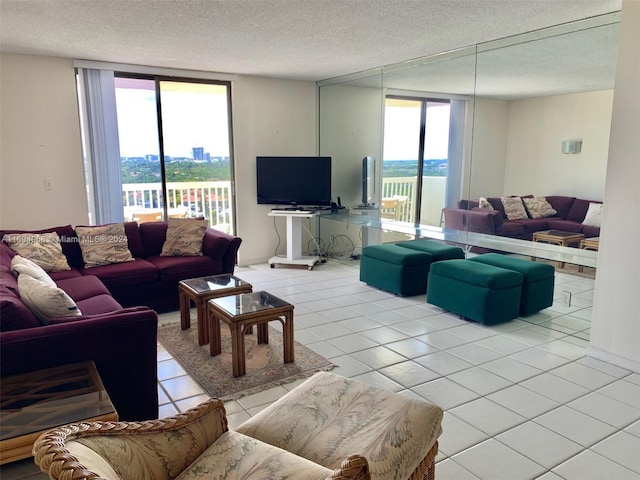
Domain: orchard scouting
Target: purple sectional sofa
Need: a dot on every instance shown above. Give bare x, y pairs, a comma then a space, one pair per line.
118, 326
570, 214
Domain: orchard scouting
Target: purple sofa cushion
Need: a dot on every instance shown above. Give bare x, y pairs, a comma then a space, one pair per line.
73, 273
173, 269
98, 304
14, 314
561, 204
579, 209
468, 204
81, 288
511, 229
134, 239
153, 236
565, 226
124, 274
590, 231
532, 225
496, 203
68, 242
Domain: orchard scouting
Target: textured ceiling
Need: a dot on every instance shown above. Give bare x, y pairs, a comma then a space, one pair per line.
296, 39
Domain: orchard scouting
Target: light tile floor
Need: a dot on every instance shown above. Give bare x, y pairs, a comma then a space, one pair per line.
521, 399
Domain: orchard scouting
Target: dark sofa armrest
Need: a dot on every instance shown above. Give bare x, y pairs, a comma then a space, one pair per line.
123, 346
221, 246
476, 220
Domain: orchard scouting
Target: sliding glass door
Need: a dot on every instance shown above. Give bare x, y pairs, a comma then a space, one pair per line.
175, 149
415, 159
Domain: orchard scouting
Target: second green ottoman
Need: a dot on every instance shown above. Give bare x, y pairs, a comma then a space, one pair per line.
395, 269
474, 290
537, 285
438, 251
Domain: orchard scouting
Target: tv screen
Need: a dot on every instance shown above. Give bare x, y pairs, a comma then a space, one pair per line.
292, 181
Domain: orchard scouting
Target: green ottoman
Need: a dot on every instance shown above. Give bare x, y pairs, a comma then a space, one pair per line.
474, 290
438, 251
402, 271
537, 285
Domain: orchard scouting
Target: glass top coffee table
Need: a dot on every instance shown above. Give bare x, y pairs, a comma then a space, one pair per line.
199, 291
33, 402
240, 313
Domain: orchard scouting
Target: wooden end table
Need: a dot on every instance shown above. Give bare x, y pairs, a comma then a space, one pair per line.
202, 289
558, 237
591, 243
34, 402
240, 313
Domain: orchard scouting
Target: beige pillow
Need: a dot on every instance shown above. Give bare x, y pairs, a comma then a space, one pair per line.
44, 300
592, 218
484, 203
43, 249
538, 207
103, 245
24, 266
513, 208
184, 237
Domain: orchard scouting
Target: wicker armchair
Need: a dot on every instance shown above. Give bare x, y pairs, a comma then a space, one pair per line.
183, 446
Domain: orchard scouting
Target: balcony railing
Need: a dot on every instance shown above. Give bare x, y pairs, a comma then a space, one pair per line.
433, 197
211, 200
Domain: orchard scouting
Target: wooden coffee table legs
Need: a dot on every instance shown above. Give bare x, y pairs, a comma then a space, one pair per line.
238, 328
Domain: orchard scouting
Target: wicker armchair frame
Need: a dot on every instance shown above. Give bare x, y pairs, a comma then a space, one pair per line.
54, 459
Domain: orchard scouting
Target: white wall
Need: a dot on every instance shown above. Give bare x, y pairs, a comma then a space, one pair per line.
270, 117
536, 129
615, 322
488, 154
39, 138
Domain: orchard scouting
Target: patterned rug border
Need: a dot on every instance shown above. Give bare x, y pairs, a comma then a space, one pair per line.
214, 374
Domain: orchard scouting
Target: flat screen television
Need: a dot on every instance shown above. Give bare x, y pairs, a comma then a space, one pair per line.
368, 181
293, 181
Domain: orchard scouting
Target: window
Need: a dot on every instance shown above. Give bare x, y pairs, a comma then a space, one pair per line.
419, 166
170, 149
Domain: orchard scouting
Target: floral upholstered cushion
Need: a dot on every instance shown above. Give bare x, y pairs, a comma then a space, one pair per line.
234, 456
184, 237
43, 249
103, 245
329, 416
538, 207
514, 208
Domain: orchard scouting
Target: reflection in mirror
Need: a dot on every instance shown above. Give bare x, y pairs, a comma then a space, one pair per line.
512, 103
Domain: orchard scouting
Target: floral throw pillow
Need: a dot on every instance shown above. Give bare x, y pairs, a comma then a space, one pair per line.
103, 245
538, 207
514, 208
43, 249
484, 203
184, 237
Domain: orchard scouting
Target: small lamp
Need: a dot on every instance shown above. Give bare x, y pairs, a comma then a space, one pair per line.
572, 146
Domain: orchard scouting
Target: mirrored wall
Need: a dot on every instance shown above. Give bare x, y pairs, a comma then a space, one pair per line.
491, 120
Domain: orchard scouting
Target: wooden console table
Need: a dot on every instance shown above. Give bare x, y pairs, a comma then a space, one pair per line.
33, 402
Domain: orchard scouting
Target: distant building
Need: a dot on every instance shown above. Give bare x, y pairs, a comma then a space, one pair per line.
198, 153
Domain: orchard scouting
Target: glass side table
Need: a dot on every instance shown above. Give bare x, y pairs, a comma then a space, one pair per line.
240, 313
33, 402
199, 291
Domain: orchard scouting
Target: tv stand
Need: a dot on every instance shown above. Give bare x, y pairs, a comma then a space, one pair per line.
294, 240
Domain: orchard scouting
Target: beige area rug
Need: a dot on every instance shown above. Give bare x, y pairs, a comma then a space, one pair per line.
265, 367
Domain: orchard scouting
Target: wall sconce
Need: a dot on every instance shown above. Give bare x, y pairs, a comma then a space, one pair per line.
572, 146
